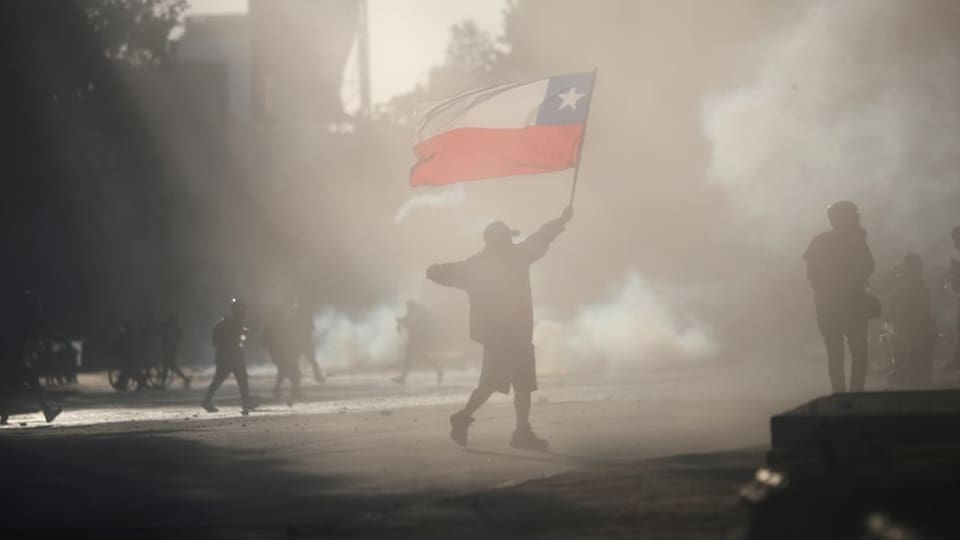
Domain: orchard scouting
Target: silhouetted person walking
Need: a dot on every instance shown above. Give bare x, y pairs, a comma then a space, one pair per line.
282, 341
417, 324
20, 327
914, 325
497, 282
228, 337
954, 364
303, 326
170, 335
839, 262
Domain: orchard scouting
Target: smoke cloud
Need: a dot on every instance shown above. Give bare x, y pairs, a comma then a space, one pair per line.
852, 100
368, 340
436, 199
638, 325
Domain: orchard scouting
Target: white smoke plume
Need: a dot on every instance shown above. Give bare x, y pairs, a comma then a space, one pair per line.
436, 198
367, 341
856, 100
639, 325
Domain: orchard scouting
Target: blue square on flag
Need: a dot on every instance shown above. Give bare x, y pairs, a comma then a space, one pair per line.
566, 100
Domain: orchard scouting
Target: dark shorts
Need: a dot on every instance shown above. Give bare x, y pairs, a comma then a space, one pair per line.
508, 364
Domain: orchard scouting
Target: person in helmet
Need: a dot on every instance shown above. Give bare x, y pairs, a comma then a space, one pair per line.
954, 364
839, 262
228, 338
914, 325
497, 283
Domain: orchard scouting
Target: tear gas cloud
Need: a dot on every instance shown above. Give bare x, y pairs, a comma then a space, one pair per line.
850, 100
437, 199
689, 227
718, 134
638, 326
368, 340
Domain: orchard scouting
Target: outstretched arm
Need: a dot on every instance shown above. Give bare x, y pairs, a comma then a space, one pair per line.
537, 243
449, 274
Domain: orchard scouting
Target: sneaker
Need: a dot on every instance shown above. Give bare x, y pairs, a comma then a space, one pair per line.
49, 413
459, 423
208, 406
251, 403
527, 440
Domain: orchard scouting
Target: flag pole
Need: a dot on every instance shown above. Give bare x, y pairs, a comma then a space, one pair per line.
586, 122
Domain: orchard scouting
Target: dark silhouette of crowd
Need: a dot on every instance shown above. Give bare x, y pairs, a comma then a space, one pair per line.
839, 267
21, 328
839, 263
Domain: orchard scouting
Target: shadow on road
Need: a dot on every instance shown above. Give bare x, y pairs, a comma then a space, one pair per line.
688, 497
147, 480
548, 456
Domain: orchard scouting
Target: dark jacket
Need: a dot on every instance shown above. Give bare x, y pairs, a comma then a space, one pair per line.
911, 312
497, 283
228, 336
838, 266
416, 322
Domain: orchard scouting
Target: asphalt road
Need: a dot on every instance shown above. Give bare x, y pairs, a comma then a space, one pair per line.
357, 450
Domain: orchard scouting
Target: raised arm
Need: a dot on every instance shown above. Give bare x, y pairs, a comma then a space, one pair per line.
535, 246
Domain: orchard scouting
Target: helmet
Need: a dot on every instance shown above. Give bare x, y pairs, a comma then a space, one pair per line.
238, 307
498, 229
842, 212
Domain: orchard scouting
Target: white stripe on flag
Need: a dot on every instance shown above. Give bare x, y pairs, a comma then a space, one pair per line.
507, 106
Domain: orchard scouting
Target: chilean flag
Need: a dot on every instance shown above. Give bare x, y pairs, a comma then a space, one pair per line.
506, 130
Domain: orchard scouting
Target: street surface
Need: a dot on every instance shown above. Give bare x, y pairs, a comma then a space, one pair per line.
360, 450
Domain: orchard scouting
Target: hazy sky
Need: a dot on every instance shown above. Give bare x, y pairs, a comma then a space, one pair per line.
407, 37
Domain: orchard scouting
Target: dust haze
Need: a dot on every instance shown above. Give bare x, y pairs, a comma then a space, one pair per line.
717, 136
711, 154
672, 316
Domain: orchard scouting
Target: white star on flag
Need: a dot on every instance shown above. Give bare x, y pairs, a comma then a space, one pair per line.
569, 99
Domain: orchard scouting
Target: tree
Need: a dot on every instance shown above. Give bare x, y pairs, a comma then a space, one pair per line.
135, 31
472, 60
73, 137
471, 50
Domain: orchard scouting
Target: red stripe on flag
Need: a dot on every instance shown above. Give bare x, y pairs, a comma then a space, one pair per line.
475, 153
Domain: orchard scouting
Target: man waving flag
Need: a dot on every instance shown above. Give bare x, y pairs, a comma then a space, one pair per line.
505, 130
